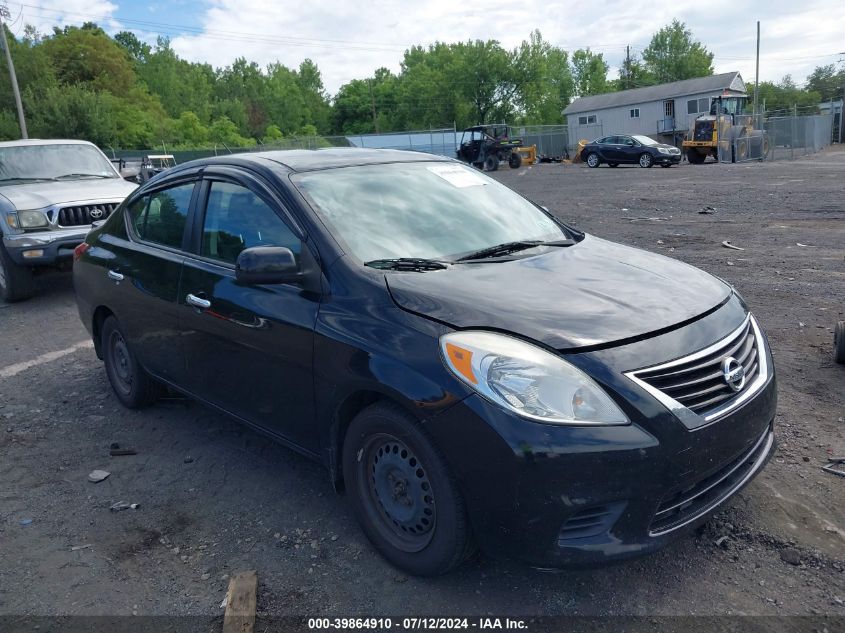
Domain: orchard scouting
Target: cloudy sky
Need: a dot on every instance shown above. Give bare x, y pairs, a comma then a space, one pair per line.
350, 39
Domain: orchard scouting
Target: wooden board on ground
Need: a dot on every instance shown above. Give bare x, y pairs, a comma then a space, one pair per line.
240, 603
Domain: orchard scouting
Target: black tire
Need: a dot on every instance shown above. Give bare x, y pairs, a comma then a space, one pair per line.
16, 282
839, 342
695, 157
646, 160
491, 163
515, 160
666, 165
613, 164
593, 160
403, 494
132, 385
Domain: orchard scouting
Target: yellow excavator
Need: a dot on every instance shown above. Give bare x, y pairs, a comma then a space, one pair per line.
728, 130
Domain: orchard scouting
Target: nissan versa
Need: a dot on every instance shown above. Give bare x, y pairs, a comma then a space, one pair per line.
472, 371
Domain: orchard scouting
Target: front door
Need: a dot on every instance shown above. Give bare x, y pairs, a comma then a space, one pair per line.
248, 348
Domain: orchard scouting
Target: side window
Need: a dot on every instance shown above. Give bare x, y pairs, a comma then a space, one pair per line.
160, 217
236, 218
704, 104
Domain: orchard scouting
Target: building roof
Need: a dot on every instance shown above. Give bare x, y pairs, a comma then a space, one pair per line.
725, 81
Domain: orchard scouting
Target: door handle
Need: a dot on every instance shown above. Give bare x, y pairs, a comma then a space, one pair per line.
114, 275
198, 302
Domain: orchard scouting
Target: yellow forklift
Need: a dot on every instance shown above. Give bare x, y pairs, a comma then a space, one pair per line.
726, 131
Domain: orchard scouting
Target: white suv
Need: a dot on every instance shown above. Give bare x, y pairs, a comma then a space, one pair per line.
51, 191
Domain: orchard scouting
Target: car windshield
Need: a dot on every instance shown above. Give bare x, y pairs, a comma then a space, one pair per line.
644, 140
62, 161
422, 210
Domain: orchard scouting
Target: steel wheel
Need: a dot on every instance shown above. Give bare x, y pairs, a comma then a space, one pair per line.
646, 160
400, 497
121, 362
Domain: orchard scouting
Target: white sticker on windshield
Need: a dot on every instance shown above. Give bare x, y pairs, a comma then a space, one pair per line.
457, 176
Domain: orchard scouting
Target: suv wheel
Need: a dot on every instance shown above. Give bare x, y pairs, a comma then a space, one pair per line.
403, 494
131, 384
16, 282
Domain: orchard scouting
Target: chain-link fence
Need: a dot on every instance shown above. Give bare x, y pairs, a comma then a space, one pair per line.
772, 138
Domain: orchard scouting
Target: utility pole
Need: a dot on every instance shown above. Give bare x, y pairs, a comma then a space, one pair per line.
757, 73
627, 67
373, 101
4, 13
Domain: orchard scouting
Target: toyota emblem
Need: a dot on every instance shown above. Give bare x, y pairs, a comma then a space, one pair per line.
733, 373
96, 214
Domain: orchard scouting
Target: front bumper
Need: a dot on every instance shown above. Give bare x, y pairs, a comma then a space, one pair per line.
57, 245
562, 496
667, 159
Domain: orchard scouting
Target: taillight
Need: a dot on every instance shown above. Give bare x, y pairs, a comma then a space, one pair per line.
80, 250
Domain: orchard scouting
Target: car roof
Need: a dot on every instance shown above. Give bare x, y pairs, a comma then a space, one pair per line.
44, 141
300, 160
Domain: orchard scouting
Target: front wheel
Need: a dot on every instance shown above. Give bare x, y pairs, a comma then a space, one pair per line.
16, 282
646, 160
593, 160
515, 160
695, 157
132, 385
403, 494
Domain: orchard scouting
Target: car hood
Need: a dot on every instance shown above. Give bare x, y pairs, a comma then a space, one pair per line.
593, 293
38, 195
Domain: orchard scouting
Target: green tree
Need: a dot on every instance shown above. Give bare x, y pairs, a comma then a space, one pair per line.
827, 82
782, 96
673, 55
547, 84
589, 73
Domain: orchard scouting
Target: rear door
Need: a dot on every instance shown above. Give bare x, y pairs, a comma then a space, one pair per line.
145, 270
248, 349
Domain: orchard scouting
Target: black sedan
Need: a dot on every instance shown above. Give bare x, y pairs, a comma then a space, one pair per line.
635, 150
472, 371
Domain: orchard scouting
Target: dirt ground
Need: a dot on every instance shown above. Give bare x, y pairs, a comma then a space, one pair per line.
216, 498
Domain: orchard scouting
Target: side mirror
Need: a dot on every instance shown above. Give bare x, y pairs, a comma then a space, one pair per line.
267, 265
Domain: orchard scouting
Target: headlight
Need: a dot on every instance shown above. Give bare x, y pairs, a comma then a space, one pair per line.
527, 380
31, 219
664, 150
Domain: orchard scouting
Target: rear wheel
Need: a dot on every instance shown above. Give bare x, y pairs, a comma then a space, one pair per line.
515, 160
132, 385
16, 282
695, 157
403, 494
491, 163
839, 342
646, 160
593, 160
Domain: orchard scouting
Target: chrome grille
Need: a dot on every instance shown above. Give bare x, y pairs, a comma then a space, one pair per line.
700, 385
695, 388
85, 213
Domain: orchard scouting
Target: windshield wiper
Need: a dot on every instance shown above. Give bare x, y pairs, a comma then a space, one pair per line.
24, 179
511, 247
64, 176
415, 264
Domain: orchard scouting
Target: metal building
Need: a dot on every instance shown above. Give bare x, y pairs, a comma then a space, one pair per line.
664, 112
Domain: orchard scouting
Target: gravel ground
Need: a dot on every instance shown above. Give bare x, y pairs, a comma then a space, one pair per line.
216, 498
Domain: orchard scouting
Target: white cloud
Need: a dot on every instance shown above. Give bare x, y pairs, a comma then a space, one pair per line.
796, 37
